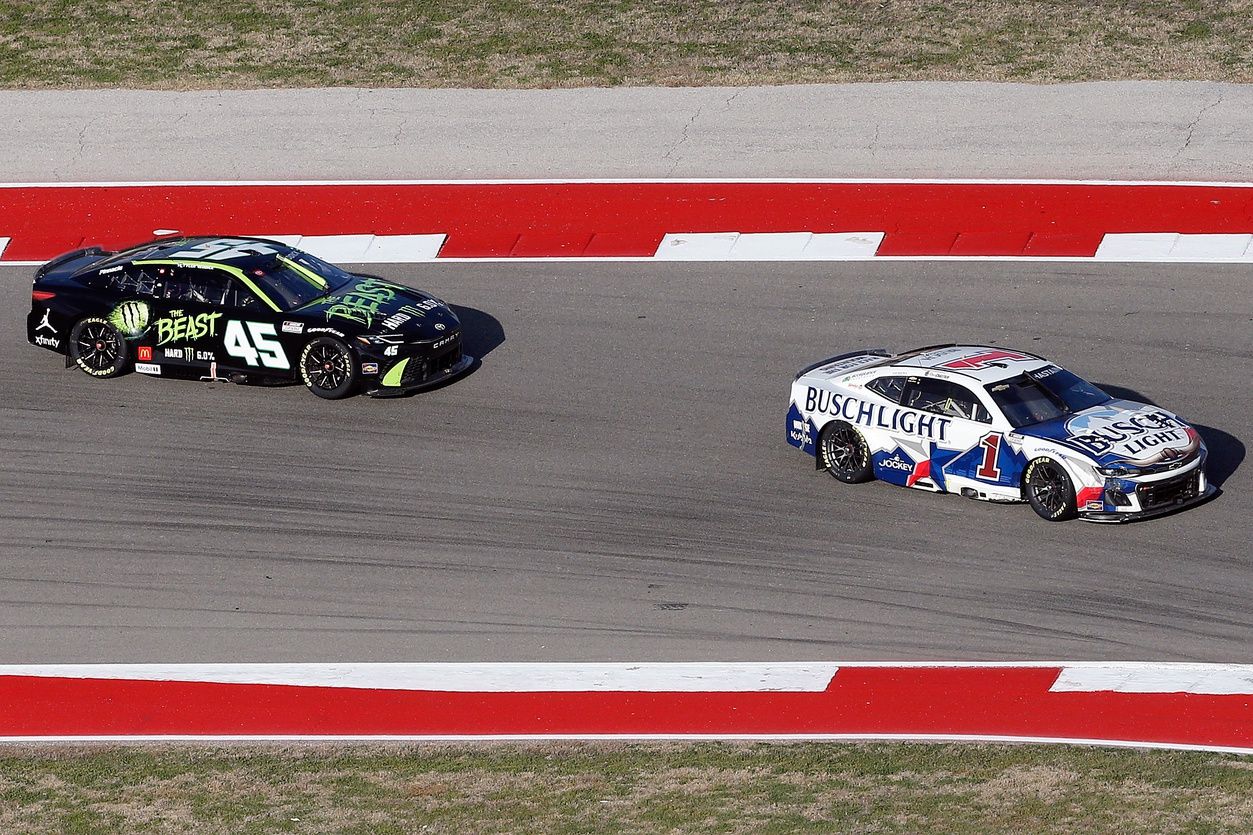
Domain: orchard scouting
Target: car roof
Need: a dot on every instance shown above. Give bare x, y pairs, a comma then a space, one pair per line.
985, 363
234, 251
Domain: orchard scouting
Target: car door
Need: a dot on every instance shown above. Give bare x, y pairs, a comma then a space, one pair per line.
250, 339
187, 319
959, 436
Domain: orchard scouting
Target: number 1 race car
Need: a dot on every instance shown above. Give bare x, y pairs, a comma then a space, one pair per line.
242, 309
997, 425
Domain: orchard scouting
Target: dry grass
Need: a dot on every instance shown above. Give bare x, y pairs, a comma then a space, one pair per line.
623, 788
558, 43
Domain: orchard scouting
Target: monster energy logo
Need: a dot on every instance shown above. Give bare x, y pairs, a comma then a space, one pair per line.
131, 318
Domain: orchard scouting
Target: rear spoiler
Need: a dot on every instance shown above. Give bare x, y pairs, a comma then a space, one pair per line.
866, 352
67, 257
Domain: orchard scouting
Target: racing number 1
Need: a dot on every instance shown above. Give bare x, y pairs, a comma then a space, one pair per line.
991, 446
269, 351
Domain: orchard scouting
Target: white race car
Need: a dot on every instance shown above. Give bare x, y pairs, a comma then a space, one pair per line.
998, 425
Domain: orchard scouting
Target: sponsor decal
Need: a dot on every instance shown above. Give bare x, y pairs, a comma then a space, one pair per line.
44, 324
369, 368
147, 368
1129, 435
47, 341
878, 416
331, 331
897, 463
205, 356
293, 327
799, 433
179, 326
144, 353
362, 303
108, 270
131, 318
395, 320
175, 353
984, 359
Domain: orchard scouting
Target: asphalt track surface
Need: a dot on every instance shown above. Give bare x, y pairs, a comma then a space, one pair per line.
613, 483
1105, 130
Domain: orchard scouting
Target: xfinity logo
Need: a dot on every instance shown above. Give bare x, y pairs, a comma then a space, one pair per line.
47, 341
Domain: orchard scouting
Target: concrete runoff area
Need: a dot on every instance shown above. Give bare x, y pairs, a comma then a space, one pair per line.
613, 483
1103, 130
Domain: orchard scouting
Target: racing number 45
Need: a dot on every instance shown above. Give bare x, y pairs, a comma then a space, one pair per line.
255, 345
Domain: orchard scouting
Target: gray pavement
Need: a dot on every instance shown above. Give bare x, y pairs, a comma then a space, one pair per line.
613, 484
1119, 130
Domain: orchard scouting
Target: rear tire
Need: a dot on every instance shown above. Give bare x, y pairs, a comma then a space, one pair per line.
844, 453
328, 368
98, 348
1049, 490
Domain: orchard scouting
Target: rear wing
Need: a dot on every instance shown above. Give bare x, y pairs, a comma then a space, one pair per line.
871, 356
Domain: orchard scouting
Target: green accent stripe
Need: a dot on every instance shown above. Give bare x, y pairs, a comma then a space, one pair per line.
306, 273
227, 268
393, 375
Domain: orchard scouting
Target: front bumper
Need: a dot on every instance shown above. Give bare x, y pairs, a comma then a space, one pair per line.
405, 384
1157, 498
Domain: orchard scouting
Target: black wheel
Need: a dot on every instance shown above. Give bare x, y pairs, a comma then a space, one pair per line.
1049, 490
328, 368
98, 348
845, 453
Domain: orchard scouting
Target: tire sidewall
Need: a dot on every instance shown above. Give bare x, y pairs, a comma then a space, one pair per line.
344, 389
865, 473
1069, 508
118, 368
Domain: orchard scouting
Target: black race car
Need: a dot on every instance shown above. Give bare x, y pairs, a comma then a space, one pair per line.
242, 309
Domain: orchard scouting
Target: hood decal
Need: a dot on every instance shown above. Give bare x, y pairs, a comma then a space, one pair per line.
1123, 431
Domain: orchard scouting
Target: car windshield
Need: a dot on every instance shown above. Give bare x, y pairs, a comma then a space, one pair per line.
297, 278
1043, 395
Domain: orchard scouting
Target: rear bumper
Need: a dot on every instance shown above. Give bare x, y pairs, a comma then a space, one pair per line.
376, 388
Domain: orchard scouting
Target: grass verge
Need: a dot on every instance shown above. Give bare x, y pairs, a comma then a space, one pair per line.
556, 43
644, 788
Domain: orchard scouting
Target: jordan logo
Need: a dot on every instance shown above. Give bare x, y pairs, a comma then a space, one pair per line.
45, 323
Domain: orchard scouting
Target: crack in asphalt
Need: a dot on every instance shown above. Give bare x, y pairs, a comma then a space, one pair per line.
1193, 124
683, 134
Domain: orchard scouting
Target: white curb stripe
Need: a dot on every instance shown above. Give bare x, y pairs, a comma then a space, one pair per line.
1171, 246
768, 246
196, 738
1206, 679
696, 677
365, 248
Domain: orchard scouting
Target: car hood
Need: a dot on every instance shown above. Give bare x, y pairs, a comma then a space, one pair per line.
372, 305
1122, 431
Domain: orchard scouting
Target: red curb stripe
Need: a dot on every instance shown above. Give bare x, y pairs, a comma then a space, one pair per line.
560, 219
919, 701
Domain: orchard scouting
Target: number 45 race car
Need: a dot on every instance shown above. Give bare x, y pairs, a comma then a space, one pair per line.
242, 309
997, 425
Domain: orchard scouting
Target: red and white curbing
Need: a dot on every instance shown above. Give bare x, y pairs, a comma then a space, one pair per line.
1162, 705
701, 220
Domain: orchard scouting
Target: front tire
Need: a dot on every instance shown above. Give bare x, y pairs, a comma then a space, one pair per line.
1049, 490
98, 348
844, 453
328, 368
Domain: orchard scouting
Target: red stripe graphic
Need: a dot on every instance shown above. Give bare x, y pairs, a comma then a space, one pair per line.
628, 219
919, 701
